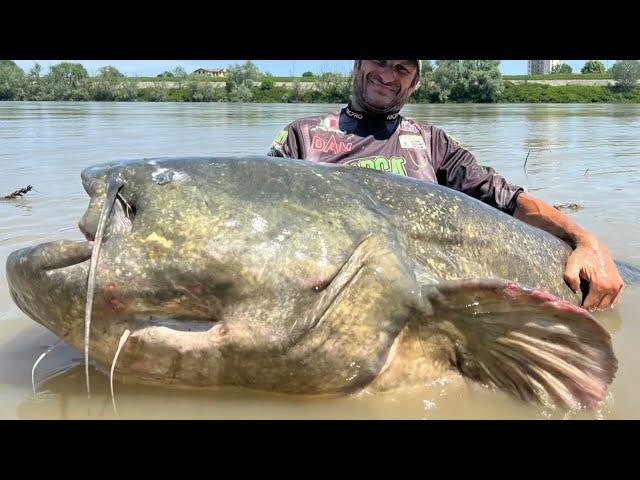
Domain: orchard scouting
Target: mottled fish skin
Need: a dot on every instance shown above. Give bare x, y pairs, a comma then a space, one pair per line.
271, 273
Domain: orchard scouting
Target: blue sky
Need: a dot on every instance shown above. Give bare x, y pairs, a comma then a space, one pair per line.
152, 68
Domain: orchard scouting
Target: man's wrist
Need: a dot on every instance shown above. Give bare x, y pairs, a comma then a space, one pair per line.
582, 238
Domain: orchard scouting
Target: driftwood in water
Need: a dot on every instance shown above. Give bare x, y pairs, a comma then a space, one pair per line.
18, 193
572, 207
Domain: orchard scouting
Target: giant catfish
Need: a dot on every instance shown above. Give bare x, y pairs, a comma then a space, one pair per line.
300, 278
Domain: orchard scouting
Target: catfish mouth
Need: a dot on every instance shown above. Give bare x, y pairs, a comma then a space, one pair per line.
35, 273
50, 282
119, 221
33, 263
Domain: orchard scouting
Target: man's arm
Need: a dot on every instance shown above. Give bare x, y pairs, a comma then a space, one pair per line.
287, 143
590, 259
457, 168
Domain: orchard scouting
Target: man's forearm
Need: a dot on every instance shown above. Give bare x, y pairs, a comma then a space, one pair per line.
540, 214
590, 259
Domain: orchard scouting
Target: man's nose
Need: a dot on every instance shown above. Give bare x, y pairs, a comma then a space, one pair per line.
387, 75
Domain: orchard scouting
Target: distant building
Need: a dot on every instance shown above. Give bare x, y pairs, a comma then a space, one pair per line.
537, 67
211, 72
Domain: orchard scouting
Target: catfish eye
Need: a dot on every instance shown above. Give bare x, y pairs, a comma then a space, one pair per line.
163, 178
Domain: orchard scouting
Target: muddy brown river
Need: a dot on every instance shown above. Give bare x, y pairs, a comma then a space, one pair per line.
586, 155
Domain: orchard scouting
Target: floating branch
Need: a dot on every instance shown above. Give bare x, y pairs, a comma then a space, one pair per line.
18, 193
572, 207
613, 171
525, 161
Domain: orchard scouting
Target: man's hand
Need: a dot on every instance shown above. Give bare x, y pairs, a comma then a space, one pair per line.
591, 261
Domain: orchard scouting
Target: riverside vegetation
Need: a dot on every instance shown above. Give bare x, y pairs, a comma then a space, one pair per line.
448, 81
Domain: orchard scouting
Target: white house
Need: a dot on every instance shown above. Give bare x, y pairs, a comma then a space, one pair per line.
211, 72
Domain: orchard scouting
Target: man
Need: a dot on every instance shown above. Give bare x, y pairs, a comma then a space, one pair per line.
371, 133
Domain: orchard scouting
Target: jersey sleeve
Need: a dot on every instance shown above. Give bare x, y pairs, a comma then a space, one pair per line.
457, 168
285, 144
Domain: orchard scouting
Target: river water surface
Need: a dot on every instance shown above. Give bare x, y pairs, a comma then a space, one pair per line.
587, 155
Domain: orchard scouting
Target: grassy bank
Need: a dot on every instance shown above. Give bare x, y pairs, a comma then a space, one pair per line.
512, 93
258, 95
205, 78
537, 93
561, 76
335, 92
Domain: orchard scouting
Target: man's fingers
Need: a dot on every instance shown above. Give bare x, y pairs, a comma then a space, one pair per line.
599, 298
572, 275
592, 301
616, 298
605, 302
591, 262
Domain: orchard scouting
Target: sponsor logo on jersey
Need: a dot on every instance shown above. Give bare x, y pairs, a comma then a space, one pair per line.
329, 124
412, 141
330, 145
352, 114
407, 126
393, 165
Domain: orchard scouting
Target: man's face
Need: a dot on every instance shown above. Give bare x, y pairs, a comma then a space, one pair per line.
382, 86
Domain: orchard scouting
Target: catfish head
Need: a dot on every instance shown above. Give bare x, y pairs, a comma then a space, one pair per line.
225, 273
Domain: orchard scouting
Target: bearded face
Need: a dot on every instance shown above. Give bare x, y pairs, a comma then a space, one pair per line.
383, 86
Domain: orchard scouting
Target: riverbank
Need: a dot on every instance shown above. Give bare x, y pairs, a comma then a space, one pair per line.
309, 85
567, 93
513, 91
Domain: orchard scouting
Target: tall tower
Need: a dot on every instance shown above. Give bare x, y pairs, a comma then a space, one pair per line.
538, 67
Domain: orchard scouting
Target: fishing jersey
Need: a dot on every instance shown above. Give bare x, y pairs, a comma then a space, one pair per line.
394, 144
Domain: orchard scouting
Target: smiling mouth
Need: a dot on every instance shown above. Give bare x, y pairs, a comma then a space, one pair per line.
382, 86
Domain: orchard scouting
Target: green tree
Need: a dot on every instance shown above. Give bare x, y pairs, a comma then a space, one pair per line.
69, 73
562, 68
157, 93
425, 67
106, 84
66, 81
476, 81
109, 72
267, 82
593, 66
10, 65
427, 89
307, 74
240, 80
12, 81
241, 93
203, 92
165, 74
103, 91
180, 75
333, 87
179, 72
295, 93
33, 83
127, 91
626, 73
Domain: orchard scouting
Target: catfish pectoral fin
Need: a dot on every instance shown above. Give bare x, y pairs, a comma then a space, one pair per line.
346, 338
373, 256
529, 343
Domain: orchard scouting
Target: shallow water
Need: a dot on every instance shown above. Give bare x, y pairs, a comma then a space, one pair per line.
583, 154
